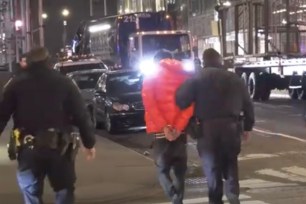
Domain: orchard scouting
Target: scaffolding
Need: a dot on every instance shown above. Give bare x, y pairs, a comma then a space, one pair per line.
6, 27
264, 27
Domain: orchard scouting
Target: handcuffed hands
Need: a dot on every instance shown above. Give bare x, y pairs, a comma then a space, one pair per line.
171, 133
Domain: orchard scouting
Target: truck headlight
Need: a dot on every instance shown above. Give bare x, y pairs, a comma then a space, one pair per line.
188, 65
148, 67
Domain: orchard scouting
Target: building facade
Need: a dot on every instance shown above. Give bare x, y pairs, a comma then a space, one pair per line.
203, 24
177, 8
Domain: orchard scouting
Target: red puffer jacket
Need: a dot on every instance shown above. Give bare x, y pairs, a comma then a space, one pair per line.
158, 95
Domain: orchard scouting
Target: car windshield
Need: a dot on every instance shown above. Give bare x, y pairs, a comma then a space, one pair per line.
124, 83
87, 81
178, 44
78, 67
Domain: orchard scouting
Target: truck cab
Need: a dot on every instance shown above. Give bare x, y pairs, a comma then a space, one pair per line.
143, 45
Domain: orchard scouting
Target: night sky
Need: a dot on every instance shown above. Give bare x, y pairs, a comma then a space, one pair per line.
79, 10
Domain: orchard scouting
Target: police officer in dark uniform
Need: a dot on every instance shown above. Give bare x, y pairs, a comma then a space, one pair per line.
220, 98
45, 106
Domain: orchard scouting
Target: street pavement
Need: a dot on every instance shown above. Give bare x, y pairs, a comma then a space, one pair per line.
272, 165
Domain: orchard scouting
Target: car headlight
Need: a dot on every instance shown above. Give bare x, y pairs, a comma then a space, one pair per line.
120, 107
148, 67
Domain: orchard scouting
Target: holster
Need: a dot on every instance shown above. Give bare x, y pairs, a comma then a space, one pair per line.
12, 148
14, 144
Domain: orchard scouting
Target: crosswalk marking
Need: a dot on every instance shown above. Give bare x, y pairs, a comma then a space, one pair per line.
284, 175
296, 170
243, 198
260, 184
256, 156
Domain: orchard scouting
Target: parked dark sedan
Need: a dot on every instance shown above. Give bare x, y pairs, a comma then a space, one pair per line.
118, 102
87, 82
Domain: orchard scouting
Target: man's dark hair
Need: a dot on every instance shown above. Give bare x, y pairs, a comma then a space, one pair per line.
162, 54
211, 58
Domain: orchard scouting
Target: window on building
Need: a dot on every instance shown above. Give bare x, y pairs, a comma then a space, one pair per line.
195, 7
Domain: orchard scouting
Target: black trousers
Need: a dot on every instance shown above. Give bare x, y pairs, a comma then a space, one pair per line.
171, 156
34, 165
218, 149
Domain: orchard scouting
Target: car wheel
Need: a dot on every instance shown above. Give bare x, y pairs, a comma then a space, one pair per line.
109, 124
244, 78
92, 116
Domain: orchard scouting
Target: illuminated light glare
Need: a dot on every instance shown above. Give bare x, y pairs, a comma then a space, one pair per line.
98, 28
18, 23
279, 11
148, 68
227, 3
65, 12
127, 10
188, 66
44, 16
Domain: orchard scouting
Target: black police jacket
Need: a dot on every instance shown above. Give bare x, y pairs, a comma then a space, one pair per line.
217, 93
41, 98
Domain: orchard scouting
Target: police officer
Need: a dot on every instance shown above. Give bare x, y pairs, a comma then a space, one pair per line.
45, 105
220, 97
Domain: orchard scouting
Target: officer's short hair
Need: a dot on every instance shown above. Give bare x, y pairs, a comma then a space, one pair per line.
39, 54
211, 58
162, 54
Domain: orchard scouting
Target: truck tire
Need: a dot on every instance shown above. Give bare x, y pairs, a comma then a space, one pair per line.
265, 94
301, 94
244, 78
254, 86
265, 86
302, 91
294, 80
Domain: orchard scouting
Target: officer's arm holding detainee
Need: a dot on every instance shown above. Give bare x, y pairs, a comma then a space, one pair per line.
7, 103
77, 110
185, 94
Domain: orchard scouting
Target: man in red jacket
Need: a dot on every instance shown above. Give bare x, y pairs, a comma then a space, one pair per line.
167, 122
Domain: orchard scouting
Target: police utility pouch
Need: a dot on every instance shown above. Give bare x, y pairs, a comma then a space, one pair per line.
47, 139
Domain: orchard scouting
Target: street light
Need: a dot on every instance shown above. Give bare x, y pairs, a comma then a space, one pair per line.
65, 12
44, 16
